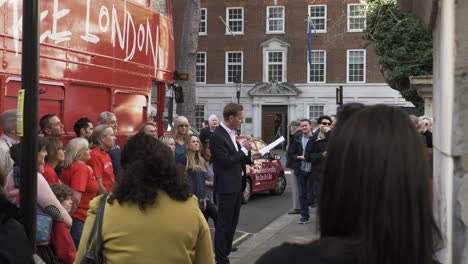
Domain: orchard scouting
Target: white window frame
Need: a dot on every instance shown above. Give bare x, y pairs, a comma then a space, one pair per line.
226, 63
283, 18
283, 64
347, 65
324, 66
228, 29
203, 33
201, 64
199, 125
325, 19
349, 18
315, 105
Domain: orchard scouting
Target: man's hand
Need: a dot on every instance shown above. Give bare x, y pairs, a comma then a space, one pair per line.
247, 144
300, 158
256, 155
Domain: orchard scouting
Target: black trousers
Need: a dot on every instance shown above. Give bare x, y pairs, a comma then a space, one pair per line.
210, 212
228, 216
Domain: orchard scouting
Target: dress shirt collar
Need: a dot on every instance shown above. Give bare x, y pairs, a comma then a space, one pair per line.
228, 130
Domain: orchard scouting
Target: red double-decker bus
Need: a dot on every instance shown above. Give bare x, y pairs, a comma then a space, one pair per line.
95, 56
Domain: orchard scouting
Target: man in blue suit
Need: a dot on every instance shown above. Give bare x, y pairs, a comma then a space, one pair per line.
229, 161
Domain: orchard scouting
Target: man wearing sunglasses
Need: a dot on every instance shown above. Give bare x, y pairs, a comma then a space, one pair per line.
315, 153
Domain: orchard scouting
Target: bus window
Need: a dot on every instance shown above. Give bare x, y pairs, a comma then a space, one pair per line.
141, 2
130, 110
160, 6
50, 98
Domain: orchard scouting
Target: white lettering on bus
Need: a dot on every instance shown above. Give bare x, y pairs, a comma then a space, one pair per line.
59, 36
88, 36
104, 12
47, 33
130, 21
141, 38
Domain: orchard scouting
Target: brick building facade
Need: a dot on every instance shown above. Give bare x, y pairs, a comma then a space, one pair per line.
261, 47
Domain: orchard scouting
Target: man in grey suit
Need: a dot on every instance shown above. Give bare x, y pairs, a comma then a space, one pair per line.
229, 159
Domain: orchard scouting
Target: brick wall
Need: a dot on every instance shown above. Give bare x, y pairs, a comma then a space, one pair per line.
336, 41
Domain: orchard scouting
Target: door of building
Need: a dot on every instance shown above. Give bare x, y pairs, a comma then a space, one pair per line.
274, 123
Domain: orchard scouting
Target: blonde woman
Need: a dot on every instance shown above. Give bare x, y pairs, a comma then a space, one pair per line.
195, 166
80, 178
101, 142
179, 133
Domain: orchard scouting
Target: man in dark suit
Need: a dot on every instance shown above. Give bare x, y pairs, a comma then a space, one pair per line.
229, 158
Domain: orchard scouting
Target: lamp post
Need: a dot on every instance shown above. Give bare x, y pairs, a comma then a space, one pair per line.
238, 82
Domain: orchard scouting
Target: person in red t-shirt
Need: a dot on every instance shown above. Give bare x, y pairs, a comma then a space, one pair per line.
80, 178
102, 140
55, 155
60, 238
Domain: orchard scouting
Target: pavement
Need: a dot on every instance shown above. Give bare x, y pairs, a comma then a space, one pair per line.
283, 229
251, 246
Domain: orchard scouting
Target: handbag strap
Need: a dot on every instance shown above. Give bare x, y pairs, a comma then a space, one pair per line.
97, 224
102, 205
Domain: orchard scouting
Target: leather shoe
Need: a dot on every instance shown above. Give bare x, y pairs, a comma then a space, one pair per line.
294, 211
234, 249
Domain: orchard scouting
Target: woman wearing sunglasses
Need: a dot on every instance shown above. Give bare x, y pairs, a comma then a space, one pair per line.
180, 132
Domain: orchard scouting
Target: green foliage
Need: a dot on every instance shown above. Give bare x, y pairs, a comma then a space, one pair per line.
402, 44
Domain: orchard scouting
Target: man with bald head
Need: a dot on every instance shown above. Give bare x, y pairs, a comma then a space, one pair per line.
205, 133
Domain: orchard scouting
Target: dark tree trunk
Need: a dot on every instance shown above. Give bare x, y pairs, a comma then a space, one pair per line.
186, 61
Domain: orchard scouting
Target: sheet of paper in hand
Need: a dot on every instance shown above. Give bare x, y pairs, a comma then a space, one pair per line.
275, 143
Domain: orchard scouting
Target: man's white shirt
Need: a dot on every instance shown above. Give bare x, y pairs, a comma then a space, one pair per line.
232, 134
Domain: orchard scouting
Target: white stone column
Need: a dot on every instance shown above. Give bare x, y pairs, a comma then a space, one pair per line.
256, 119
292, 109
423, 84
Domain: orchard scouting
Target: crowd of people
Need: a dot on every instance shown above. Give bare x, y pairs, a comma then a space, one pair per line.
69, 177
307, 151
365, 169
374, 190
168, 180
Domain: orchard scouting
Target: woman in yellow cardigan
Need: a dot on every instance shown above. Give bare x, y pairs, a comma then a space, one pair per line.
151, 217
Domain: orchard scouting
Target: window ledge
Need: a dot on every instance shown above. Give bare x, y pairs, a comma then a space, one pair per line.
234, 33
317, 82
354, 82
318, 31
275, 32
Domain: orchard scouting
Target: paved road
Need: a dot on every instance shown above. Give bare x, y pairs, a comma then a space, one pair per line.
262, 209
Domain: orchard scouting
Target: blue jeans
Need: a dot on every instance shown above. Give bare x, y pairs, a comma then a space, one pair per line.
76, 230
302, 183
314, 188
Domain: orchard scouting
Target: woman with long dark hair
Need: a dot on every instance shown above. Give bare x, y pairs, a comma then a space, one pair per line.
375, 205
210, 210
150, 216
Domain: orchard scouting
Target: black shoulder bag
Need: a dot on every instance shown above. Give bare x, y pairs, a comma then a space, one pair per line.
94, 255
